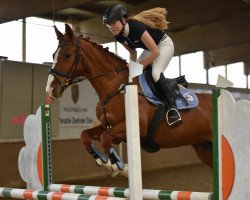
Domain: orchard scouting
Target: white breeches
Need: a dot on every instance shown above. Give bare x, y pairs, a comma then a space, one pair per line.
166, 48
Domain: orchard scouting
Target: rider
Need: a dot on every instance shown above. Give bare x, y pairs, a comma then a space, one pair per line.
146, 30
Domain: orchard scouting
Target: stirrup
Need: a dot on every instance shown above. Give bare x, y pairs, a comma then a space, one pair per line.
173, 119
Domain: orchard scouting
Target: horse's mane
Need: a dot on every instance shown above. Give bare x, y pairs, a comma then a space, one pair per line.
87, 39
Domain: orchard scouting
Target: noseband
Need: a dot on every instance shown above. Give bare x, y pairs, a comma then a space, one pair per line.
71, 73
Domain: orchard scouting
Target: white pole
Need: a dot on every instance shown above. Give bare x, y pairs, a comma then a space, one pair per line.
120, 145
133, 141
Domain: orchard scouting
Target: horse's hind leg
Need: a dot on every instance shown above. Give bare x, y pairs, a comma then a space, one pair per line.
204, 151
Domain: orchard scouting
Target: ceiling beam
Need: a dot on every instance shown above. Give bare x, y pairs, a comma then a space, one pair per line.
228, 55
100, 6
133, 2
17, 9
65, 18
186, 13
94, 8
96, 30
224, 33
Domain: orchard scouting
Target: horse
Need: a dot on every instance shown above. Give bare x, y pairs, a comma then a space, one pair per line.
78, 58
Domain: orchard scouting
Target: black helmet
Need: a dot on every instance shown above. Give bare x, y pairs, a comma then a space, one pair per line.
114, 13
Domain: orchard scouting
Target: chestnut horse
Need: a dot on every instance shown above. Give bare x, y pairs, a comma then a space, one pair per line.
78, 57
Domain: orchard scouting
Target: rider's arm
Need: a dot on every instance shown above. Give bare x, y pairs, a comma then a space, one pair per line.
152, 47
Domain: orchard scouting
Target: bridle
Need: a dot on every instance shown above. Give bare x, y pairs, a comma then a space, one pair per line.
71, 73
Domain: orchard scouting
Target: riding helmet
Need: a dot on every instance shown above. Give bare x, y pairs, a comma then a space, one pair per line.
114, 13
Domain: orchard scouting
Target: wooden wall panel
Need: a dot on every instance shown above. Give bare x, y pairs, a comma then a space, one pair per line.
15, 98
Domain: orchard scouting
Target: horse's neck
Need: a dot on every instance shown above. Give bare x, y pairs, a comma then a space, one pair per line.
108, 84
103, 64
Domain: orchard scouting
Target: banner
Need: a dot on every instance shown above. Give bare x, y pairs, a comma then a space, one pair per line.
78, 106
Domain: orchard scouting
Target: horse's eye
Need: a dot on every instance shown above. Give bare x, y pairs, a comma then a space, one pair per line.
67, 55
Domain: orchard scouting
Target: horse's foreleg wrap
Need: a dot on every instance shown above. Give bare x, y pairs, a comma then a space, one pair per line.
115, 159
101, 160
115, 135
96, 154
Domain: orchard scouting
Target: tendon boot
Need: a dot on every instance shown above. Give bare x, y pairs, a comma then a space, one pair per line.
168, 96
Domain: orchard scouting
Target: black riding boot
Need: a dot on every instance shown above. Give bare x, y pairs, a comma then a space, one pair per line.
168, 96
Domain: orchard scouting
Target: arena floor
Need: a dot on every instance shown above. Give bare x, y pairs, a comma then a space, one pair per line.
196, 177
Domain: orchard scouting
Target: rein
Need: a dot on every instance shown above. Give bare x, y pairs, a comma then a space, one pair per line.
115, 70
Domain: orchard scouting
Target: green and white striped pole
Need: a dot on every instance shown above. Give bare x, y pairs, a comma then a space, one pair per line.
124, 192
45, 195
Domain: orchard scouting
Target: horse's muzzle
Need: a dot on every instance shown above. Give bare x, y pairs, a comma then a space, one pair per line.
53, 93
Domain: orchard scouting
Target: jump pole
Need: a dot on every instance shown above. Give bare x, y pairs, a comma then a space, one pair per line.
133, 135
46, 195
124, 192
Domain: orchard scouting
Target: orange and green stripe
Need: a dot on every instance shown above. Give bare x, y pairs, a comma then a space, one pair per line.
45, 195
124, 192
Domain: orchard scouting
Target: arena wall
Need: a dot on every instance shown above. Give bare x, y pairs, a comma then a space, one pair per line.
22, 90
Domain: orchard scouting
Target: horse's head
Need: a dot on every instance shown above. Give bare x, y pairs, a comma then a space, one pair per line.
78, 57
68, 63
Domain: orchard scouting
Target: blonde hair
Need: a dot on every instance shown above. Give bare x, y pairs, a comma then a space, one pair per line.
154, 18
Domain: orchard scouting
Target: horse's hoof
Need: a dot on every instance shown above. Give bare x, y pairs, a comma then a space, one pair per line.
107, 165
123, 171
115, 168
99, 162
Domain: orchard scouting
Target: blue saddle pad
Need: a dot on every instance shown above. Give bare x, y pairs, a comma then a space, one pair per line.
190, 96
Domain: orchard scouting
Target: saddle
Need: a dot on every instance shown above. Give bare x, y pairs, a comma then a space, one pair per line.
147, 143
173, 84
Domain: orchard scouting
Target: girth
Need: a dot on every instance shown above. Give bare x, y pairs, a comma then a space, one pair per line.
147, 143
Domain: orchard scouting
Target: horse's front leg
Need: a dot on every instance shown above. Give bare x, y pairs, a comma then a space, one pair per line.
86, 139
115, 135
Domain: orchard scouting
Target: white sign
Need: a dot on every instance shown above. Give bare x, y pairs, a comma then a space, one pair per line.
78, 106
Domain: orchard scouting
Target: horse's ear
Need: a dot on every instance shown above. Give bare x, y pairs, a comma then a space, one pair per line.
69, 31
58, 33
